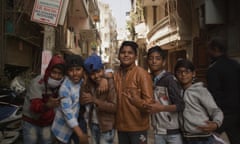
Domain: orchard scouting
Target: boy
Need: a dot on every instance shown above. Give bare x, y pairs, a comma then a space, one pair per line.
134, 89
102, 105
40, 101
201, 115
167, 102
66, 119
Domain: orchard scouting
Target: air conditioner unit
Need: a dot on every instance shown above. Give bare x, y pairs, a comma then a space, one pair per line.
215, 11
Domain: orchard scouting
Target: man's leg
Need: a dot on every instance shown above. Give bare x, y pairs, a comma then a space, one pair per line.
29, 133
95, 132
46, 136
107, 137
138, 137
123, 138
231, 126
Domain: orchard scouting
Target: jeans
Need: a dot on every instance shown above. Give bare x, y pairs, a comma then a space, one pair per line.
99, 137
33, 134
139, 137
168, 139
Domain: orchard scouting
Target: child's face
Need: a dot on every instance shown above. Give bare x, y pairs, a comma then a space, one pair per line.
75, 74
127, 56
185, 76
155, 62
96, 76
56, 74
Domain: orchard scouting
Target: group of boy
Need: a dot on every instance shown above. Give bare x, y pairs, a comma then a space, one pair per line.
132, 95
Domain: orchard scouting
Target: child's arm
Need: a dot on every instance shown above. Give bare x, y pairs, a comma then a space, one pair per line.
174, 92
103, 86
214, 112
83, 138
108, 104
209, 127
156, 107
173, 95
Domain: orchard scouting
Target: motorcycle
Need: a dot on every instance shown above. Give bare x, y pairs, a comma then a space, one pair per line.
11, 101
10, 122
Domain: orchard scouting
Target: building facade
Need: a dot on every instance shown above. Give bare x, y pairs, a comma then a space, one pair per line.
25, 43
183, 28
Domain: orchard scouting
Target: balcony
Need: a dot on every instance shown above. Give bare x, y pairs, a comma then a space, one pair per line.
94, 10
169, 30
141, 30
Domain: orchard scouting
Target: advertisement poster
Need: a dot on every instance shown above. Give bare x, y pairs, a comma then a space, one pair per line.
47, 11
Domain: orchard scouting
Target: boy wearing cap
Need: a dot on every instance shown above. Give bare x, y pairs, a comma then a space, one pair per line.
102, 105
66, 119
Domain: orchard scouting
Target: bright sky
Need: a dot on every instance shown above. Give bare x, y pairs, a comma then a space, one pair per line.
119, 9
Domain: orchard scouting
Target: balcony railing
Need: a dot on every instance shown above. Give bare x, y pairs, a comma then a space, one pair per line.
162, 28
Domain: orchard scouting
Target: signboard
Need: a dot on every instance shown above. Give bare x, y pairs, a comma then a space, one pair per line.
47, 11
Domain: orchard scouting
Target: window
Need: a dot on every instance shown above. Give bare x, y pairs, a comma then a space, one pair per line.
154, 15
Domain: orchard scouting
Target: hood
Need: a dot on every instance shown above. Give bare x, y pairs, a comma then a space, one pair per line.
193, 87
56, 60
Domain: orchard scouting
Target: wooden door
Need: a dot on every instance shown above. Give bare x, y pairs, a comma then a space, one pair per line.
200, 58
173, 57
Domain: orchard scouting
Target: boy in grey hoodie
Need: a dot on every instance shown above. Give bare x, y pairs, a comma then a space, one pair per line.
201, 115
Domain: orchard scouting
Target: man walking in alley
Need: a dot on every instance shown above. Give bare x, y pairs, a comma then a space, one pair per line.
223, 79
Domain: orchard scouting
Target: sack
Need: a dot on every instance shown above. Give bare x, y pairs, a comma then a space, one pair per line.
218, 140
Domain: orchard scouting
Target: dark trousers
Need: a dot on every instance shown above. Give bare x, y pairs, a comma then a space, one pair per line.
199, 140
231, 125
139, 137
83, 125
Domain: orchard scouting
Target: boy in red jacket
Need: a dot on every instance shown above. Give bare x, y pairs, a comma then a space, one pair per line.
40, 101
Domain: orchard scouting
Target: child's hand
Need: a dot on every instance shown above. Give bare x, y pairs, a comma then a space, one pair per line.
103, 86
209, 127
135, 92
154, 107
83, 139
86, 98
53, 102
133, 95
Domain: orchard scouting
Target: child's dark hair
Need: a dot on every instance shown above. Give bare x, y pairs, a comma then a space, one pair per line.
159, 50
132, 44
184, 63
61, 67
74, 61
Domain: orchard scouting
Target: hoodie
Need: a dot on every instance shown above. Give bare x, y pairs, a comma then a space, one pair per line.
199, 107
38, 93
167, 92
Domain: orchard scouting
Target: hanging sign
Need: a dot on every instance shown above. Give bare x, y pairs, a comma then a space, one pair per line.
47, 11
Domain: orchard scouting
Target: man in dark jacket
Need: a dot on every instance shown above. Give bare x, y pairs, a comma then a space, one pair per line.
223, 79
